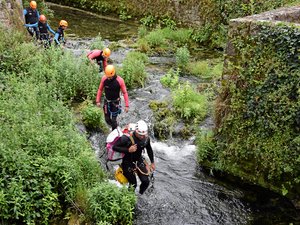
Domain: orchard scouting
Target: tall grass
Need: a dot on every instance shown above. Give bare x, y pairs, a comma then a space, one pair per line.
133, 69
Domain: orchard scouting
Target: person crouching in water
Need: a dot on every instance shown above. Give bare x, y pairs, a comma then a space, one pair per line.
133, 161
112, 84
59, 35
100, 56
43, 28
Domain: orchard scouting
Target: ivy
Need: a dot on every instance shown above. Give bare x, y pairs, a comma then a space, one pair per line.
260, 106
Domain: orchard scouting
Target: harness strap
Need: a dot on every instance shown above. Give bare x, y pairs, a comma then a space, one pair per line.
147, 167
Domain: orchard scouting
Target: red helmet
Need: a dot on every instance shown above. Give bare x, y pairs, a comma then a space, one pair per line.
43, 18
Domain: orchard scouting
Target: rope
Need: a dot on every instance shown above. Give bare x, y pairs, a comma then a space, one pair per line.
137, 168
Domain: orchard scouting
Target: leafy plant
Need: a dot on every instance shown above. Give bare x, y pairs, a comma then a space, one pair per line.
205, 69
92, 117
182, 57
133, 69
111, 204
171, 79
205, 146
257, 118
188, 103
148, 21
97, 43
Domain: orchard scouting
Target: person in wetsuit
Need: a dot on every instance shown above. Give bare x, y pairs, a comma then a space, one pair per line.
42, 30
112, 84
100, 56
133, 161
31, 17
59, 34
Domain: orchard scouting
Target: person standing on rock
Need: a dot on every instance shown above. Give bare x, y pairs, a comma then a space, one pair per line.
112, 84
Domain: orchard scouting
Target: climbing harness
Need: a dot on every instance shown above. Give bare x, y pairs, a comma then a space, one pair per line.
137, 168
109, 104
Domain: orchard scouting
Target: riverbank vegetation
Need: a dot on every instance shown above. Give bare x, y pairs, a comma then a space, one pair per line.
257, 112
48, 170
208, 20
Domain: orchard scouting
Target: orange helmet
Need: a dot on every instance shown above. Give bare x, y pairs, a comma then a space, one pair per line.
33, 4
106, 52
110, 71
63, 23
43, 18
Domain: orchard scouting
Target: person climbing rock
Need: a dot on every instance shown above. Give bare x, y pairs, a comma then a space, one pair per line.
112, 84
31, 17
59, 34
100, 56
133, 161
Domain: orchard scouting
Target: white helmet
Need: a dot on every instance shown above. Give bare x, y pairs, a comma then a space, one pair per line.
141, 127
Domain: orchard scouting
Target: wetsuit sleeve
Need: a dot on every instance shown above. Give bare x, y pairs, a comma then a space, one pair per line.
94, 54
49, 28
38, 15
150, 152
24, 12
122, 144
124, 90
56, 36
31, 25
100, 90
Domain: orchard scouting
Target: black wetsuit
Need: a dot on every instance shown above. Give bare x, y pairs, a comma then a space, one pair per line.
32, 17
130, 160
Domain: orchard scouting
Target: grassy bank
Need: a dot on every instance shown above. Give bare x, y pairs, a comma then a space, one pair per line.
48, 169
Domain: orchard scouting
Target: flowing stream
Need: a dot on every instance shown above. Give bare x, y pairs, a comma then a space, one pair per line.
182, 194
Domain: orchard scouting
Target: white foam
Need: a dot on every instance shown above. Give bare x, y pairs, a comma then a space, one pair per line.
174, 152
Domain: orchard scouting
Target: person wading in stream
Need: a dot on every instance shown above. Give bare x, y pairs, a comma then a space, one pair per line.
112, 85
100, 56
133, 161
59, 34
31, 17
42, 30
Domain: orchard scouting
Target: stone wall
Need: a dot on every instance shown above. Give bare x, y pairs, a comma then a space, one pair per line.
285, 14
11, 13
256, 127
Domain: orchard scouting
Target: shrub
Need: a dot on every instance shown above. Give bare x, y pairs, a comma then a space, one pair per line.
205, 146
142, 31
111, 204
43, 158
180, 36
182, 57
171, 79
133, 69
156, 39
205, 70
97, 43
189, 104
92, 117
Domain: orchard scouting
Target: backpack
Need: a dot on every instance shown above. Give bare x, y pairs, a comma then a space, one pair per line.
111, 140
